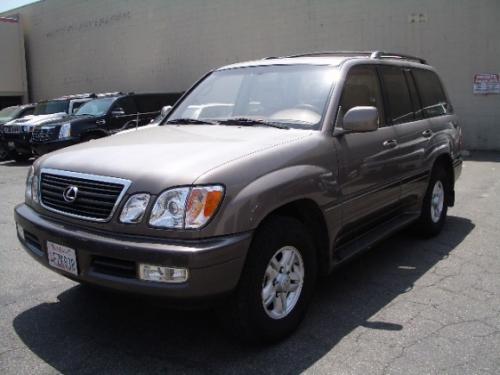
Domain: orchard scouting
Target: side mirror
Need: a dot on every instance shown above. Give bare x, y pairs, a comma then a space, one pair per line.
117, 112
361, 119
165, 110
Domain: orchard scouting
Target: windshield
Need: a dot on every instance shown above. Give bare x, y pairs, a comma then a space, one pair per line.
54, 106
8, 113
293, 95
96, 107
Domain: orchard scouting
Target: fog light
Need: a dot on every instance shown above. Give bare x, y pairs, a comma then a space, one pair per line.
20, 232
162, 274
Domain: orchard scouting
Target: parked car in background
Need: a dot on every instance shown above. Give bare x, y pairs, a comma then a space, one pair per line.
298, 164
8, 114
99, 118
17, 133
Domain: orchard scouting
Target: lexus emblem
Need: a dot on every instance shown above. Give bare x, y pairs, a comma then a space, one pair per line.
70, 194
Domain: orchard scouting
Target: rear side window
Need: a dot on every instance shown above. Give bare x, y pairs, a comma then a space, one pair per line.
127, 104
151, 103
362, 88
400, 108
434, 101
417, 107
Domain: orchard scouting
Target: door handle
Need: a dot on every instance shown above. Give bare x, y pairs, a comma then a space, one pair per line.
100, 122
390, 143
427, 133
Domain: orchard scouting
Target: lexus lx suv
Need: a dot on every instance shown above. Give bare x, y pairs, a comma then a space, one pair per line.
263, 177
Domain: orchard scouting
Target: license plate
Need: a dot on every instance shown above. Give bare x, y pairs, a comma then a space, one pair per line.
11, 145
62, 257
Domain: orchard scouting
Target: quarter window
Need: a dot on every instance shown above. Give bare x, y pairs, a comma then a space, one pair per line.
398, 97
434, 101
362, 88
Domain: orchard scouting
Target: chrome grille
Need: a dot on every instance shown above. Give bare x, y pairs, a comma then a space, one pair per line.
97, 196
44, 134
12, 129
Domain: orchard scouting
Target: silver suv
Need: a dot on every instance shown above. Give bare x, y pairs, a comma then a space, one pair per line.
263, 177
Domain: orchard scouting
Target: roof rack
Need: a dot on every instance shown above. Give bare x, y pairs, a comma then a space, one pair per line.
106, 94
332, 53
371, 54
77, 96
391, 55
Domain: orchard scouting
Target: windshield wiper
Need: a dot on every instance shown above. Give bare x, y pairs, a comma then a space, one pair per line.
191, 121
245, 121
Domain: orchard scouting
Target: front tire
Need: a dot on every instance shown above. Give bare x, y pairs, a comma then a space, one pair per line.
276, 285
435, 204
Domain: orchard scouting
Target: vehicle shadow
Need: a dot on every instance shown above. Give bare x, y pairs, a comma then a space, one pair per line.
488, 156
13, 163
91, 331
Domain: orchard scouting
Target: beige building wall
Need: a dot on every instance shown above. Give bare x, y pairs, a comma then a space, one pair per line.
12, 60
165, 45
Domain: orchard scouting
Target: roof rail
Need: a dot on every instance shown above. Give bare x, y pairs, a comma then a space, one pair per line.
332, 53
371, 54
105, 94
392, 55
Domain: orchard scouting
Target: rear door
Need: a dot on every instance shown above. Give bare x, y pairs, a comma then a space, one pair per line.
368, 161
413, 131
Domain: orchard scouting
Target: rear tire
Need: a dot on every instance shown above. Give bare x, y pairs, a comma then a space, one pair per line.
435, 204
276, 284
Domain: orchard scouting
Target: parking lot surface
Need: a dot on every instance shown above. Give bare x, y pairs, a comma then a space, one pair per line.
408, 306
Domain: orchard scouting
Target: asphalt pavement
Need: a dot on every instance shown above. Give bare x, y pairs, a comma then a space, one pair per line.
409, 306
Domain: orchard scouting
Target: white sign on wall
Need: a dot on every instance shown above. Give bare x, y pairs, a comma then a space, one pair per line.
486, 83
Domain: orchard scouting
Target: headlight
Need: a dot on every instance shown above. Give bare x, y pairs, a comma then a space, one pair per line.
134, 209
31, 193
169, 209
65, 131
202, 204
34, 189
189, 208
29, 182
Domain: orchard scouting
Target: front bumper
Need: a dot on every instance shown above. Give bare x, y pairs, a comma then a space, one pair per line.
19, 143
214, 264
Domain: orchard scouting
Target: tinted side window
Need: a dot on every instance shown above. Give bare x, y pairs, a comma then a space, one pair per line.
362, 88
127, 104
147, 103
434, 100
417, 106
396, 90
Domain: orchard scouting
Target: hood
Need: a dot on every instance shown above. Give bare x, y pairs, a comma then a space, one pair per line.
37, 120
169, 155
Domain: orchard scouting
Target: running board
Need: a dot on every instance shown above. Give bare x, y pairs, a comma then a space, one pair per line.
370, 238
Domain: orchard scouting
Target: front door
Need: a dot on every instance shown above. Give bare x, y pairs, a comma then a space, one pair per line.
368, 161
123, 114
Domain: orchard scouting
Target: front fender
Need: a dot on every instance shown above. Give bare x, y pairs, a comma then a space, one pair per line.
255, 201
